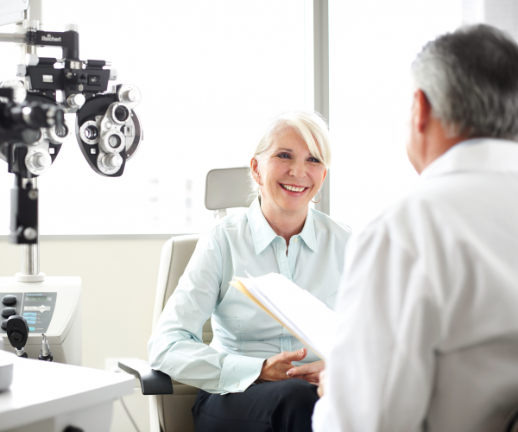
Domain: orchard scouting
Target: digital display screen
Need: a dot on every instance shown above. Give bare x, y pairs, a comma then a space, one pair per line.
38, 298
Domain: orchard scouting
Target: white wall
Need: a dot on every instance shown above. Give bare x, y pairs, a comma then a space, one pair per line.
118, 286
499, 13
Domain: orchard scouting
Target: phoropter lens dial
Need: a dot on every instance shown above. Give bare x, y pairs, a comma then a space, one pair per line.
38, 161
109, 163
89, 132
112, 141
119, 113
59, 133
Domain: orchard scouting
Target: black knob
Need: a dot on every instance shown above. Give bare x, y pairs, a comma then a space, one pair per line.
17, 331
17, 336
8, 311
9, 300
4, 325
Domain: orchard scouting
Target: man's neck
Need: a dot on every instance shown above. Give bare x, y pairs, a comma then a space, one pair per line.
439, 141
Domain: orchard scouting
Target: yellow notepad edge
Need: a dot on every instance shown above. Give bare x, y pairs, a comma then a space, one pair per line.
239, 286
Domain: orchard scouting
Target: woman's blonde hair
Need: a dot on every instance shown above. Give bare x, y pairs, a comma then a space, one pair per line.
310, 126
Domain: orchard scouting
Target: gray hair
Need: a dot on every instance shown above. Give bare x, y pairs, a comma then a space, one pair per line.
311, 127
470, 78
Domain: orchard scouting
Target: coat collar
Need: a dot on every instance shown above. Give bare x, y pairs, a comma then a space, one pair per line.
480, 154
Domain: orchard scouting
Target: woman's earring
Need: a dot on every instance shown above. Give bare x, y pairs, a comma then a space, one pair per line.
316, 202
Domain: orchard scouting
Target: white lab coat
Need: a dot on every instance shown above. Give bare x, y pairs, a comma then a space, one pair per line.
429, 305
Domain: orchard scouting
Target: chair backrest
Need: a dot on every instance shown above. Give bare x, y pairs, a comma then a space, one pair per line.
174, 411
227, 188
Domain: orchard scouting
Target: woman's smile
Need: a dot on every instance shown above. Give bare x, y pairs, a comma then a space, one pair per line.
294, 190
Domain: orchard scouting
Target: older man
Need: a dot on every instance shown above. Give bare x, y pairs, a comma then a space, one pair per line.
429, 306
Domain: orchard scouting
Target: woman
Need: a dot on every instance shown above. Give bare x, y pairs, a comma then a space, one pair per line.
250, 356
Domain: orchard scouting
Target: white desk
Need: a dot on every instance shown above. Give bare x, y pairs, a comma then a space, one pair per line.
48, 397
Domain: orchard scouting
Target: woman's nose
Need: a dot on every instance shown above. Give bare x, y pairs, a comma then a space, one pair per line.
298, 169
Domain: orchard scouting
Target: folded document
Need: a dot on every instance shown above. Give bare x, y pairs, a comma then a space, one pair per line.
305, 316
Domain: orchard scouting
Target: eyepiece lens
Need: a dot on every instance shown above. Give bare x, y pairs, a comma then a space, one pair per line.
114, 141
121, 113
91, 132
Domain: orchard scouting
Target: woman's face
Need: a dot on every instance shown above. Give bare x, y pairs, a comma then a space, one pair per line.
289, 176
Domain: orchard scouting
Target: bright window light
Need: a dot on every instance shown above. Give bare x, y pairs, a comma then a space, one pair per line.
372, 44
211, 74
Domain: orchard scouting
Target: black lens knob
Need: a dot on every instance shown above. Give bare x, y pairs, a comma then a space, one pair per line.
8, 311
121, 113
4, 325
9, 300
16, 336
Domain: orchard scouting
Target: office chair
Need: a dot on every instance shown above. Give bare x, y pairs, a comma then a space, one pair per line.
171, 401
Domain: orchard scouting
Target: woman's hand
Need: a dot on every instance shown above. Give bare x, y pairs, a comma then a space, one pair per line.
275, 368
309, 372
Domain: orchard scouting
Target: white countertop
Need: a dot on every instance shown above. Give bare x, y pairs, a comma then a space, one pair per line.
43, 390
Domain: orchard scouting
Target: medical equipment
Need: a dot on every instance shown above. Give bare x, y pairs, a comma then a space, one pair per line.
38, 313
45, 353
17, 332
32, 125
51, 307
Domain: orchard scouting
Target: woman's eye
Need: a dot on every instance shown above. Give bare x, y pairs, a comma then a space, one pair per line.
313, 159
283, 155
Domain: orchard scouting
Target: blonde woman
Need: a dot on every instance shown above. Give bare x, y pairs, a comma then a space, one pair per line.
246, 376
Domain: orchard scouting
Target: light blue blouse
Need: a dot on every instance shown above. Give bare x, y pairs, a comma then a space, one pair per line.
244, 335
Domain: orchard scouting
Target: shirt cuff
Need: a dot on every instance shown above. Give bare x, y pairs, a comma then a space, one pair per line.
239, 372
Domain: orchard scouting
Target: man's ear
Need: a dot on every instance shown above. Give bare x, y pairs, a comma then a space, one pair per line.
422, 111
254, 168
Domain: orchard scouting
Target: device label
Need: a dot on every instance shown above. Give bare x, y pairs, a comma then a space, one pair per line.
50, 38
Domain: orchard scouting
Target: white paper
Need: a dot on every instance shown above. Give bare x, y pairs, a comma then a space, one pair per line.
308, 317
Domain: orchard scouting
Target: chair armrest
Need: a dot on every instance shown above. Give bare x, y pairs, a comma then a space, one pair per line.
152, 382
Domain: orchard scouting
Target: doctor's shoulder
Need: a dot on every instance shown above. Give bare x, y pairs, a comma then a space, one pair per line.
403, 222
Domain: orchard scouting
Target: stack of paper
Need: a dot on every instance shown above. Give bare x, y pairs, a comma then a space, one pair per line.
305, 316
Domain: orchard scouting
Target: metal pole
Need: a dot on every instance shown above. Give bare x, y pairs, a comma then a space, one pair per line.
36, 11
30, 259
321, 76
31, 252
12, 37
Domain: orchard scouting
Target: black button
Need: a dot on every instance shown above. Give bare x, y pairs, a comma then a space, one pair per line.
4, 325
9, 300
16, 336
7, 312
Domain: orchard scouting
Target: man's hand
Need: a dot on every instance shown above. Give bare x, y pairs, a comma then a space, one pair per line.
309, 372
275, 368
321, 383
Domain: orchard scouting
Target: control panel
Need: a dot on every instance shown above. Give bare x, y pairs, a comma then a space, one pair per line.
51, 307
36, 307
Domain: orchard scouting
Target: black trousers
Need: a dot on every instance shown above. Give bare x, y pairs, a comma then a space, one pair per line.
281, 406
